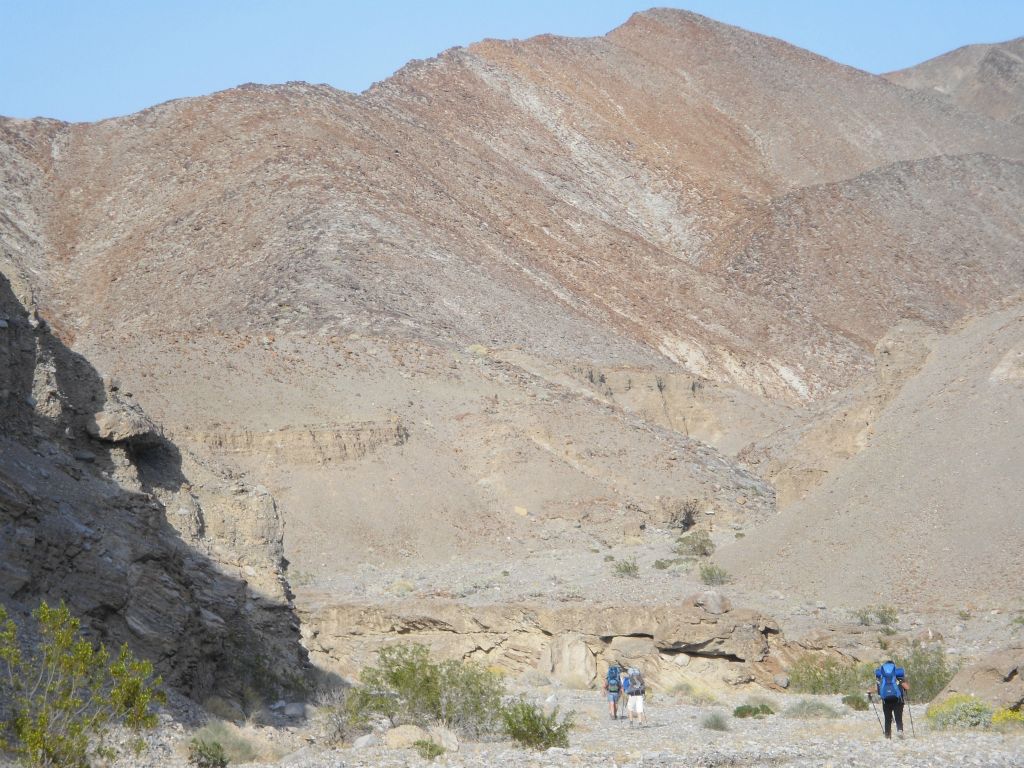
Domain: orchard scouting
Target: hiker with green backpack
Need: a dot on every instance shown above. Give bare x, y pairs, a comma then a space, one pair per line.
891, 687
612, 688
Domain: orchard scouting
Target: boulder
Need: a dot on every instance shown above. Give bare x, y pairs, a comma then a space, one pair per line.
122, 422
444, 738
997, 679
711, 600
569, 660
366, 741
404, 736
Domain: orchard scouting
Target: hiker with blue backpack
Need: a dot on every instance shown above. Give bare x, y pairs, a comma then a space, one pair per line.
636, 689
612, 688
891, 687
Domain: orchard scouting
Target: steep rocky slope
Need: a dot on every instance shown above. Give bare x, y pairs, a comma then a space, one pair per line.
987, 79
926, 515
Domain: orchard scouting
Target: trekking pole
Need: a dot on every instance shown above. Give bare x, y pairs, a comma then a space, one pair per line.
909, 712
877, 716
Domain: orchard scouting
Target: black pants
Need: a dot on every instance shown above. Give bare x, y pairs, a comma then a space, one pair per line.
892, 707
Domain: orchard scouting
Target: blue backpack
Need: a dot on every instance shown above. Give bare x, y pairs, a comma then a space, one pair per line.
613, 679
888, 677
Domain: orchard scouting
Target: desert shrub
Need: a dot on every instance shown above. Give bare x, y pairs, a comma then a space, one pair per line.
64, 692
407, 687
681, 514
714, 575
816, 674
336, 721
471, 698
627, 568
856, 701
1008, 718
206, 754
753, 710
885, 615
761, 701
427, 749
700, 697
715, 721
809, 709
664, 565
609, 558
527, 724
929, 670
695, 544
960, 711
235, 746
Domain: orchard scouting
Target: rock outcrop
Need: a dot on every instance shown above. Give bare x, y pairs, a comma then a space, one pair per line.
146, 546
997, 678
571, 644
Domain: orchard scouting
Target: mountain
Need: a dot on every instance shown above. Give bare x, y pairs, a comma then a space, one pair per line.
506, 314
986, 79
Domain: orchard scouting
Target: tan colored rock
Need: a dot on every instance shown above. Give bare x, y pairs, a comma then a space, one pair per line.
444, 738
568, 659
404, 736
122, 422
997, 678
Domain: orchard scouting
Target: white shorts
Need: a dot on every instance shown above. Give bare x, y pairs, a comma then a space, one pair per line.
635, 705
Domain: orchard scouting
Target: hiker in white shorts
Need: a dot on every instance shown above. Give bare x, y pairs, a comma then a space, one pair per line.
636, 691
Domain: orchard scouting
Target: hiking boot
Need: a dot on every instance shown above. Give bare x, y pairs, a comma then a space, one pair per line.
899, 734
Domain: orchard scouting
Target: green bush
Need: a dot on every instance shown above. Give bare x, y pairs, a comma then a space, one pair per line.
753, 710
885, 615
206, 754
816, 674
809, 709
627, 568
960, 711
761, 701
929, 670
856, 701
695, 544
408, 687
713, 575
527, 724
65, 692
428, 750
715, 721
235, 746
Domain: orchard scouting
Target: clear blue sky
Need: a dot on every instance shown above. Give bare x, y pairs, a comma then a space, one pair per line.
90, 59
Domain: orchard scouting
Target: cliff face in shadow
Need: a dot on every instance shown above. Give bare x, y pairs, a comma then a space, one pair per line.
145, 545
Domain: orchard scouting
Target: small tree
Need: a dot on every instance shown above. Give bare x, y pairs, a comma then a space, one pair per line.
64, 692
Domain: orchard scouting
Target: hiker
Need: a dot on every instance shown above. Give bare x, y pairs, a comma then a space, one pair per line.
636, 690
624, 691
612, 688
890, 684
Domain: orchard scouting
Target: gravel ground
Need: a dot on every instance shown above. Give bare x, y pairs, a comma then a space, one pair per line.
674, 736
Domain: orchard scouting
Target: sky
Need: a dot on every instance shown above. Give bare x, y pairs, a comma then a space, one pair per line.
83, 60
